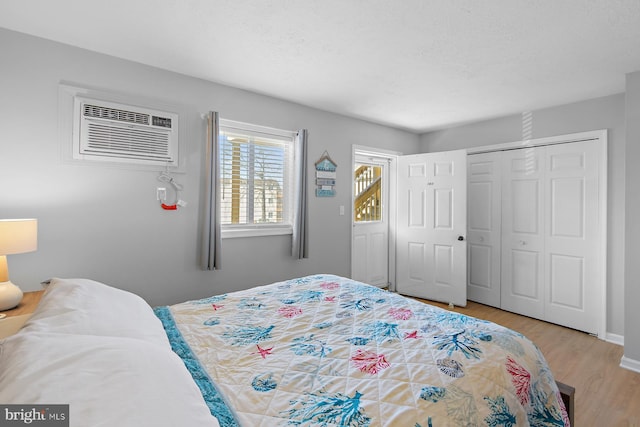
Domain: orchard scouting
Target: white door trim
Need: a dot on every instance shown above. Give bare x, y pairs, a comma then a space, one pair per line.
602, 136
392, 156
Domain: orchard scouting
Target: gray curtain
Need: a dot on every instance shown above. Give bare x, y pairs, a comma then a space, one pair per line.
211, 239
300, 240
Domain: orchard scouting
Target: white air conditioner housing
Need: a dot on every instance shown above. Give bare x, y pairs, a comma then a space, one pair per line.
109, 131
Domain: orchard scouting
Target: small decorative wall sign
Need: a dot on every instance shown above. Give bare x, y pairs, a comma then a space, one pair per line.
325, 176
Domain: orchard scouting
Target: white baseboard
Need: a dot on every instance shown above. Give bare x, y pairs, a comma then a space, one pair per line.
614, 338
630, 364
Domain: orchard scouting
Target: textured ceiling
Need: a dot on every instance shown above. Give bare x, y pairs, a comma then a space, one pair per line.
412, 64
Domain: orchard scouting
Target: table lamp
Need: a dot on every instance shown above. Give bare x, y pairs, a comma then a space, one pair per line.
16, 236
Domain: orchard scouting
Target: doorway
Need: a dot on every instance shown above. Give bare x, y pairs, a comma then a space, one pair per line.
372, 241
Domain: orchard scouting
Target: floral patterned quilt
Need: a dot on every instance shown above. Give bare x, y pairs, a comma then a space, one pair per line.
329, 351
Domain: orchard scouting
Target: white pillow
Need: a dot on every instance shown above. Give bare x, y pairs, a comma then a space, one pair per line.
82, 306
107, 381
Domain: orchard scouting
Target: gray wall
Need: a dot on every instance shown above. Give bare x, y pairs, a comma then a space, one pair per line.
601, 113
632, 225
103, 222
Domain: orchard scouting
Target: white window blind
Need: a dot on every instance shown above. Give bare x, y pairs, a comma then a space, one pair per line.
255, 176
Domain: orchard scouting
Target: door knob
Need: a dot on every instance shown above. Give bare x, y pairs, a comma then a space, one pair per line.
460, 238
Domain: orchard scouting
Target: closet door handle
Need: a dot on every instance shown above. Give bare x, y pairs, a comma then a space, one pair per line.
460, 238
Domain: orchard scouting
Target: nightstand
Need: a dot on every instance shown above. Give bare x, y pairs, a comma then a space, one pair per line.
16, 317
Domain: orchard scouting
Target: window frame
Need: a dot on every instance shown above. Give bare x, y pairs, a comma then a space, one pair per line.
256, 230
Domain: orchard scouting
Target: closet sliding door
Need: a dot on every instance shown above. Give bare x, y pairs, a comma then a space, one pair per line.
523, 204
484, 211
536, 232
572, 227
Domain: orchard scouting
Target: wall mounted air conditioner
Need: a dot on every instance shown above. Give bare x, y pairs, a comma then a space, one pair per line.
108, 131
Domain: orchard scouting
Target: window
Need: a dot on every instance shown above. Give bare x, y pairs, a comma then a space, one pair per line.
255, 179
367, 182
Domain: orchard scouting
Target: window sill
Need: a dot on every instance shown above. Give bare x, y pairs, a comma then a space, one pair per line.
236, 232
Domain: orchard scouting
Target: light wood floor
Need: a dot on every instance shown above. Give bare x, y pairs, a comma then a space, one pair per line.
606, 394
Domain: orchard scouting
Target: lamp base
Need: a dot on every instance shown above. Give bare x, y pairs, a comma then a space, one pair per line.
10, 295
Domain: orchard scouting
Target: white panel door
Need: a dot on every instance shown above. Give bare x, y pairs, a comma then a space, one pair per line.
573, 229
432, 223
523, 251
370, 246
370, 249
484, 206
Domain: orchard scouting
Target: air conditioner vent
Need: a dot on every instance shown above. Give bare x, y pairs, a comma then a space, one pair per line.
114, 114
115, 140
108, 131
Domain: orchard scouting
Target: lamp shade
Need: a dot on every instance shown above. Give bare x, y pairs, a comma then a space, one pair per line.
18, 236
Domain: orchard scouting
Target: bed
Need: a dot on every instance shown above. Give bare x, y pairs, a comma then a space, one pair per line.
320, 350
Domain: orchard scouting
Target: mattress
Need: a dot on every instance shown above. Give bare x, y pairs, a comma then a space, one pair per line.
325, 350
